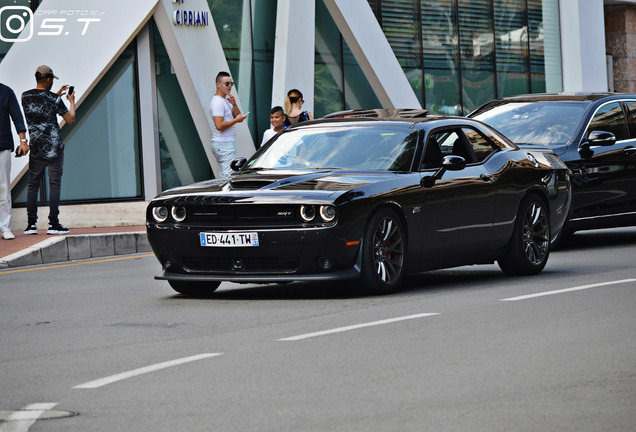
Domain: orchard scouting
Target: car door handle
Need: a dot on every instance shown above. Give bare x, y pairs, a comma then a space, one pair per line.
629, 151
485, 177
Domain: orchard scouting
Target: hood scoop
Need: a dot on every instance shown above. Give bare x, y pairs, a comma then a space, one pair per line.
249, 184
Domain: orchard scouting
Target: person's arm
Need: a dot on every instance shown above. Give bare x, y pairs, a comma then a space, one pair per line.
24, 144
69, 117
16, 115
221, 124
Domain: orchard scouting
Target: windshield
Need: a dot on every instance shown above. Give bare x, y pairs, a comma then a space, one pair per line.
543, 123
355, 147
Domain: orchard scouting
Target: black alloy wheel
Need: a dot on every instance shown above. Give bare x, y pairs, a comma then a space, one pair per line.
202, 289
383, 252
529, 247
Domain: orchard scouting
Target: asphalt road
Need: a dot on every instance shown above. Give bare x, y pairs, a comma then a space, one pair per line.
102, 346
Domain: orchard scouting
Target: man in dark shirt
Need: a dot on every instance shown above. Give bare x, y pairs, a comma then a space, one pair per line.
9, 110
41, 108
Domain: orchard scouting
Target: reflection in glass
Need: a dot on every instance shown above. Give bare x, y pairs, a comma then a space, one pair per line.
328, 81
441, 57
103, 144
400, 26
353, 147
182, 157
545, 46
543, 123
477, 52
511, 42
610, 118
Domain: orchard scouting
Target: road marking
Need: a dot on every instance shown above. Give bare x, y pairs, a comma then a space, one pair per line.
77, 264
561, 291
21, 421
356, 326
144, 370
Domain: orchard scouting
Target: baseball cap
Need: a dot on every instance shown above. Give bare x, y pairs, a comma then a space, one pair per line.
44, 72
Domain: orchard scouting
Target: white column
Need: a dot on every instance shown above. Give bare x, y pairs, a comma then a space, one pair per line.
372, 51
583, 45
294, 51
149, 122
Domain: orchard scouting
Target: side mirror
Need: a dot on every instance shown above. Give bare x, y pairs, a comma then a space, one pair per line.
238, 163
600, 138
449, 163
597, 138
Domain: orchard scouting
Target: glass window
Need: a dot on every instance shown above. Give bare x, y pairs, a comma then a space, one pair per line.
632, 110
358, 93
479, 147
477, 52
264, 35
103, 144
432, 157
339, 82
511, 36
399, 20
542, 123
610, 118
440, 56
328, 80
355, 147
545, 46
183, 159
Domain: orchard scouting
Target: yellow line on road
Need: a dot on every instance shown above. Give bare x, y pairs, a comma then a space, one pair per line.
76, 264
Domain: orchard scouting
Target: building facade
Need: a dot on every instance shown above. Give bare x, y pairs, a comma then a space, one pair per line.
144, 73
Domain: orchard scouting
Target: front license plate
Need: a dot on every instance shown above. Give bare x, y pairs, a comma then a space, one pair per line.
229, 239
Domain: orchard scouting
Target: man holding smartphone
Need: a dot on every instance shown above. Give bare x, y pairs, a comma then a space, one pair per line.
225, 114
9, 111
41, 108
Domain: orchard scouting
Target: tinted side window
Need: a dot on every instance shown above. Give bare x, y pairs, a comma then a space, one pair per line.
610, 118
478, 144
632, 110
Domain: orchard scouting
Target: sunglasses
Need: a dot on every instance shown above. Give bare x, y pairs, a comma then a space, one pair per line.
229, 84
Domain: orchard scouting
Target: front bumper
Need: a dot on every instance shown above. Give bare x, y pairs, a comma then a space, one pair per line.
283, 255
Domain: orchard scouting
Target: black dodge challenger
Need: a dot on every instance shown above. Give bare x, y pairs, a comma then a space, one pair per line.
367, 197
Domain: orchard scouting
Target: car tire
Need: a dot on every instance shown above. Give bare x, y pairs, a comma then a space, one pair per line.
383, 253
529, 246
194, 288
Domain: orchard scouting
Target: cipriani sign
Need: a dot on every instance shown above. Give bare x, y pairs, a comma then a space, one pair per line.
189, 18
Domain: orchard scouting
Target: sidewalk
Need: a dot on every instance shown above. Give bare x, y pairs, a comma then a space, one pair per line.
79, 243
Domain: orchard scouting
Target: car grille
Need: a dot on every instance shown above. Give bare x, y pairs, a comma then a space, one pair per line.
239, 216
239, 265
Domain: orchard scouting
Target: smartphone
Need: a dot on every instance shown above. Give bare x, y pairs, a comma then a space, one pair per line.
71, 89
18, 154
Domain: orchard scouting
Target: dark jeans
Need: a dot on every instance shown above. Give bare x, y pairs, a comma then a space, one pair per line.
36, 171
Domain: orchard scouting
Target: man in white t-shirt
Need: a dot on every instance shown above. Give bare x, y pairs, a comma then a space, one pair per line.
225, 114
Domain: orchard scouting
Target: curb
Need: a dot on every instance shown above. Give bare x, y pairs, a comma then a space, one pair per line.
74, 247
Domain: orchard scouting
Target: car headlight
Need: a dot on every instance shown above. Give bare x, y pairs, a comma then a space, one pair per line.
178, 213
327, 213
160, 213
307, 213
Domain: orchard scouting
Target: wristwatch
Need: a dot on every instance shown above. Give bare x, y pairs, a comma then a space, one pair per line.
23, 140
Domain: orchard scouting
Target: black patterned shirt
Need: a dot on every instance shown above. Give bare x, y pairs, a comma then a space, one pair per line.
41, 108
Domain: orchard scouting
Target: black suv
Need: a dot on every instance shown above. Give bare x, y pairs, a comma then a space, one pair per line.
593, 133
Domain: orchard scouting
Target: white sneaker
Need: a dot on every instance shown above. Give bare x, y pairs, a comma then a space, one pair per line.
7, 235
